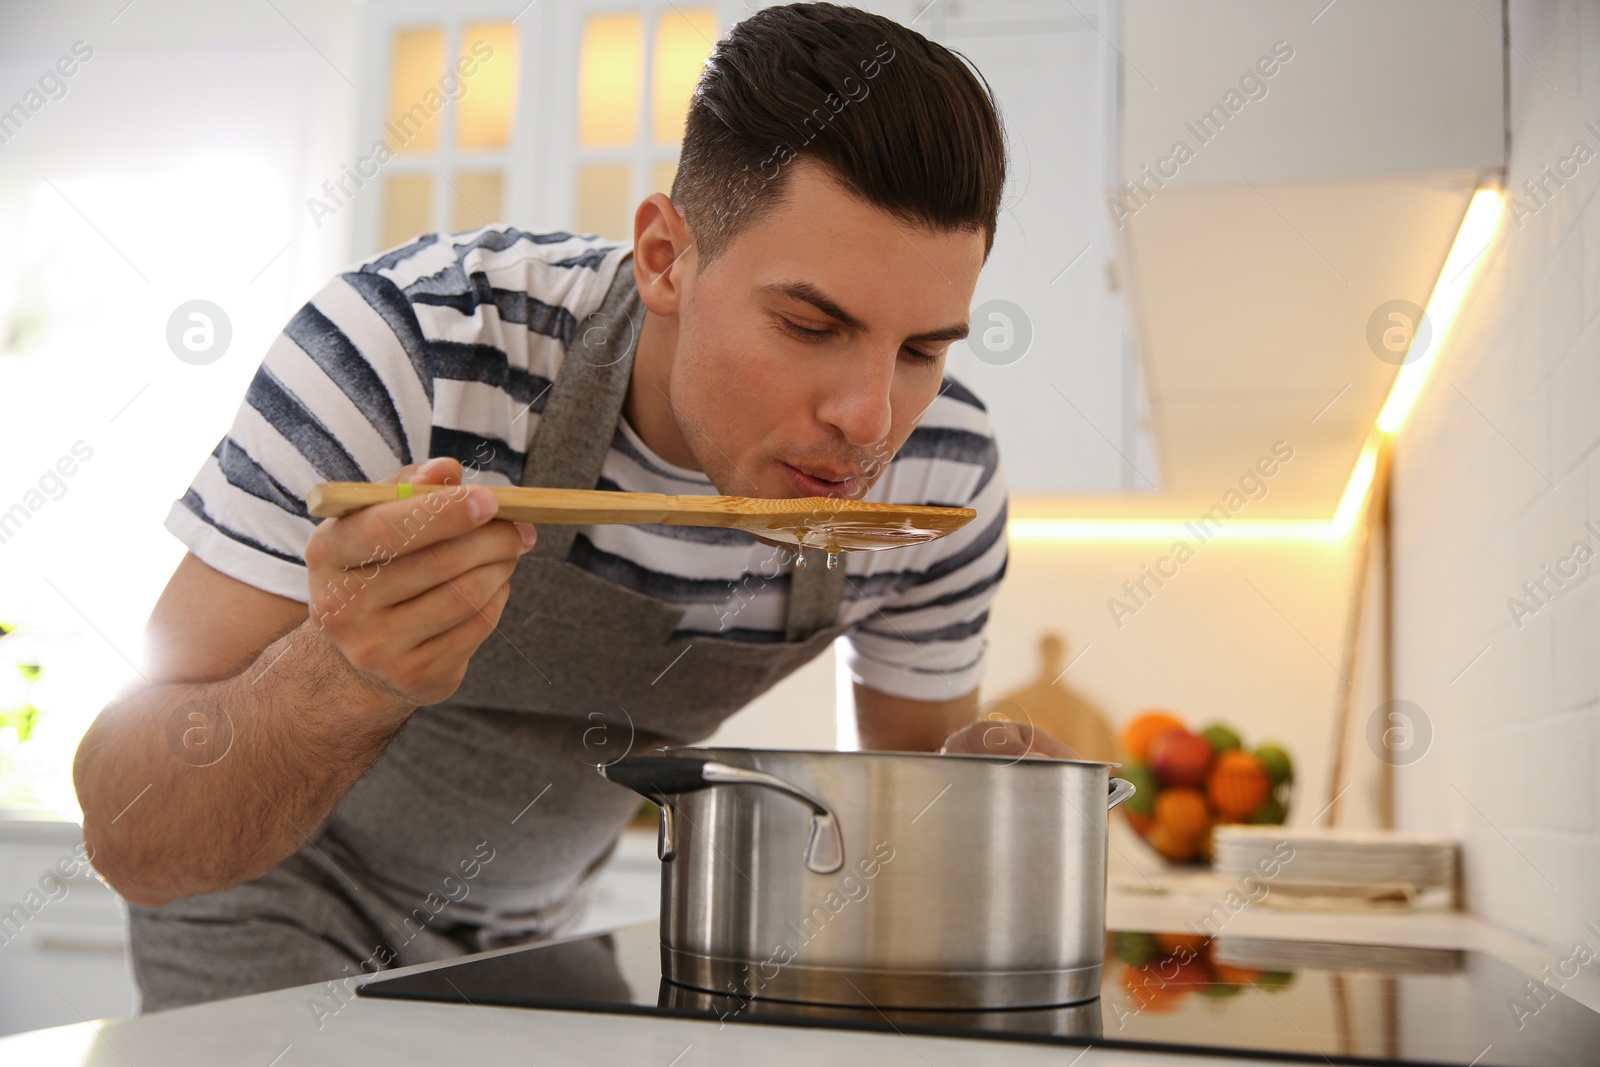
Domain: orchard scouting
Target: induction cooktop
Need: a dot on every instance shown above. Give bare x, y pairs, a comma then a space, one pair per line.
1250, 997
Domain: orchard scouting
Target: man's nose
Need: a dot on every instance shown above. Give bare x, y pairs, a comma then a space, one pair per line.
856, 402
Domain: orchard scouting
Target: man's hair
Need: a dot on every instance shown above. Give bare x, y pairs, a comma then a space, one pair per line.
901, 122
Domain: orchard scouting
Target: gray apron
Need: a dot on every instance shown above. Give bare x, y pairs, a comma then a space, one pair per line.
484, 821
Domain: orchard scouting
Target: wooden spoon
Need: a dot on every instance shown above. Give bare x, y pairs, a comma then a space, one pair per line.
812, 522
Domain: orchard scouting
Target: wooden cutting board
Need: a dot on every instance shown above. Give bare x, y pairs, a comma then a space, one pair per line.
1059, 710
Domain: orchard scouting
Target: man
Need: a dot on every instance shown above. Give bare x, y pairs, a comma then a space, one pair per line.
372, 741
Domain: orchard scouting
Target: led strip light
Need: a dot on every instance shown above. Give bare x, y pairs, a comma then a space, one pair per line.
1467, 252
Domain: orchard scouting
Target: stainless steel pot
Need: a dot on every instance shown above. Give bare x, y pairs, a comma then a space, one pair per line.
883, 879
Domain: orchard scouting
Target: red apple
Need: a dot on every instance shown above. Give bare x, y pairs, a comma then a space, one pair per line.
1180, 758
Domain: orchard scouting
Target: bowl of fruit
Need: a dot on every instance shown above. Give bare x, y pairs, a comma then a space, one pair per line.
1190, 781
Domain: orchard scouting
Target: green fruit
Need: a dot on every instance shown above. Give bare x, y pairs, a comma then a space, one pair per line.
1221, 990
1270, 813
1136, 949
1144, 780
1277, 761
1220, 737
1273, 980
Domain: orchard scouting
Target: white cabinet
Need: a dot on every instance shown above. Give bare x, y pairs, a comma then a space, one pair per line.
63, 940
1068, 412
1271, 93
1283, 174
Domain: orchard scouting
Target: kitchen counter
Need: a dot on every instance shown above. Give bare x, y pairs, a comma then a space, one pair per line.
280, 1029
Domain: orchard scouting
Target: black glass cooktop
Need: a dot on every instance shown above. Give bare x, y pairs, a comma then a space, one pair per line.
1253, 997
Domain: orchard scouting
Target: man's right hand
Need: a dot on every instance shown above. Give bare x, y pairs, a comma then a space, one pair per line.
401, 595
408, 590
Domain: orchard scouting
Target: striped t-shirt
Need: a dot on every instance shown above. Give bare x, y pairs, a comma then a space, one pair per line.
446, 347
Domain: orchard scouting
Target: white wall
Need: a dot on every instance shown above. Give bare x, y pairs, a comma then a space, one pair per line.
1496, 476
1250, 633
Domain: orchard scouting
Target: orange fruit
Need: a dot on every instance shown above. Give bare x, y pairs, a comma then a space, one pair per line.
1182, 821
1182, 811
1173, 846
1138, 734
1238, 784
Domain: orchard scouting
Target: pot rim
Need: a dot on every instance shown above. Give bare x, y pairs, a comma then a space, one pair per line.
993, 761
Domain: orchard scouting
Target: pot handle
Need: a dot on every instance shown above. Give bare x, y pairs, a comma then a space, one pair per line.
1121, 789
658, 777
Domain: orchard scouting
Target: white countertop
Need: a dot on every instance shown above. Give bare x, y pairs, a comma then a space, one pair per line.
276, 1030
279, 1029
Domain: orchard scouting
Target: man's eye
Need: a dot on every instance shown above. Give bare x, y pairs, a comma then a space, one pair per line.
801, 332
920, 357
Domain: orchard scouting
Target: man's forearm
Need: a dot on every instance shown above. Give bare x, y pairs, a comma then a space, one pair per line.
188, 788
888, 723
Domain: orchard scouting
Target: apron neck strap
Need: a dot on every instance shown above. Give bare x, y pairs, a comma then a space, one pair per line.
579, 420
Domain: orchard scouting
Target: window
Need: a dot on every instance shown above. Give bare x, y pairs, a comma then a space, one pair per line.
606, 100
449, 120
636, 74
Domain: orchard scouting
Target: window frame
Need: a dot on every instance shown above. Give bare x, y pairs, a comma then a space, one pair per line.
540, 163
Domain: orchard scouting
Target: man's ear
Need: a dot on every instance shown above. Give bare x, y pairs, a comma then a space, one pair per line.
662, 244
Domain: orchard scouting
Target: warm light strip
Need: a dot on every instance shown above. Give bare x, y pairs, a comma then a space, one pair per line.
1355, 490
1455, 279
1467, 252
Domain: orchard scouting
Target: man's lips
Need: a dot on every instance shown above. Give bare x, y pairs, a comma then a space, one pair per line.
821, 481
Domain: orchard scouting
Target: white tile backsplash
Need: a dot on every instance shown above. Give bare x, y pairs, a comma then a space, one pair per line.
1575, 393
1484, 499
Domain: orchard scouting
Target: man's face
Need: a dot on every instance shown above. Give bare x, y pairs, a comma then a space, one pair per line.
809, 349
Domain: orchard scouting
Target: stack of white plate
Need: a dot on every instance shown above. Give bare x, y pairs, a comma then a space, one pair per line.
1319, 858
